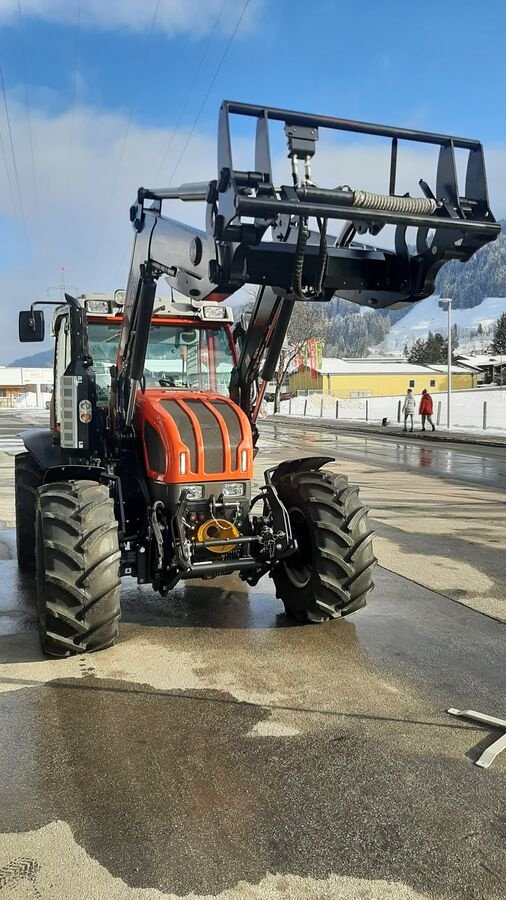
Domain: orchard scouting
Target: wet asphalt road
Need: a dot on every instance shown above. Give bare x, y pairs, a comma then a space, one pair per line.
466, 463
318, 752
12, 422
218, 743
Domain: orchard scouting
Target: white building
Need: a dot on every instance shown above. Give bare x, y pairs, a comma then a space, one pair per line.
20, 386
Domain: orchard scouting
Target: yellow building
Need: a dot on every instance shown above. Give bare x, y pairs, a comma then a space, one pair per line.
347, 378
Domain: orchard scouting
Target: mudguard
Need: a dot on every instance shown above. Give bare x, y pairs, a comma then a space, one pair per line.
40, 443
306, 464
53, 460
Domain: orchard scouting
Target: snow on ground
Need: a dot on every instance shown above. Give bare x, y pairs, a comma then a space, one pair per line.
468, 409
428, 316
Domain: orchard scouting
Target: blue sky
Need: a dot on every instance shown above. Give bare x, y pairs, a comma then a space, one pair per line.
437, 65
105, 97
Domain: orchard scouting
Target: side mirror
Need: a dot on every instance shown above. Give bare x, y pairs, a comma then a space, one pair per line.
31, 326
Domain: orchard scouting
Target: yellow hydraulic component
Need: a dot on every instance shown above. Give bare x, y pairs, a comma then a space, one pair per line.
213, 529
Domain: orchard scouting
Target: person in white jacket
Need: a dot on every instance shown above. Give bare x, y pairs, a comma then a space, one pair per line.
409, 409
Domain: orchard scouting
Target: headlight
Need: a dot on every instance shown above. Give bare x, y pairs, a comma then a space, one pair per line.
194, 491
215, 312
98, 306
233, 489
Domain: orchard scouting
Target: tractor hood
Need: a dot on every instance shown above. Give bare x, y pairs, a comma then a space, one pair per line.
188, 437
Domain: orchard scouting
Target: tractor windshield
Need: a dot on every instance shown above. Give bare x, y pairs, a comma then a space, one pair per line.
188, 356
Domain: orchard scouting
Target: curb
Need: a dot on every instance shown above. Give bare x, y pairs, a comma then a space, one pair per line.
435, 437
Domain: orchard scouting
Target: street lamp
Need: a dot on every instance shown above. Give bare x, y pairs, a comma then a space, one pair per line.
448, 301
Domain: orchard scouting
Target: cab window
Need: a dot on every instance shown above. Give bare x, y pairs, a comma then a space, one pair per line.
182, 356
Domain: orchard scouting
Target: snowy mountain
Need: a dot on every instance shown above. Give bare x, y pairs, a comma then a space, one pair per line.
474, 325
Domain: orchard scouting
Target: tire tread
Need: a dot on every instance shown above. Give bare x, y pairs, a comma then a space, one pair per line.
27, 479
78, 569
343, 557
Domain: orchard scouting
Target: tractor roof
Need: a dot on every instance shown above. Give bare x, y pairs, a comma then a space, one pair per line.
180, 307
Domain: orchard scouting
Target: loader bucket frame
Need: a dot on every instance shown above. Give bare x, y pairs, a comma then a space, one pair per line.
469, 212
449, 224
297, 263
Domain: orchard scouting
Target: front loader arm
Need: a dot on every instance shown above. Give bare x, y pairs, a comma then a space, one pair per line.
300, 262
259, 350
161, 246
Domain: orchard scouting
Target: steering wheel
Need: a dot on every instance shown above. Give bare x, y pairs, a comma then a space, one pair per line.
166, 381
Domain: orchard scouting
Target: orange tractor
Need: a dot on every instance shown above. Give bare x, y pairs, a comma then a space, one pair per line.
146, 469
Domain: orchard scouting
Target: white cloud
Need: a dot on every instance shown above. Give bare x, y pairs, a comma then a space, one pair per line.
82, 224
196, 17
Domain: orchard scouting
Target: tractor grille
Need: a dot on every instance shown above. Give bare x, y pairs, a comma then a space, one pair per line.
214, 450
212, 424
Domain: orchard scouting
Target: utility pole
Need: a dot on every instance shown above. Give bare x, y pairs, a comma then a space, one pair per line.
61, 287
448, 301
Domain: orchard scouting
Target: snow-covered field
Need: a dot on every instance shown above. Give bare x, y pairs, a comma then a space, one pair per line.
471, 410
428, 316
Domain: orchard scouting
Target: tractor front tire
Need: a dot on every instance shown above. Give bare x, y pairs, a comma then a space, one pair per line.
77, 568
27, 479
330, 574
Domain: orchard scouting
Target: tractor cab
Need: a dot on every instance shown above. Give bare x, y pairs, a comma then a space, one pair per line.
190, 345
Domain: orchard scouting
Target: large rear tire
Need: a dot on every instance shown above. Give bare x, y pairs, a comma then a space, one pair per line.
330, 575
27, 479
77, 566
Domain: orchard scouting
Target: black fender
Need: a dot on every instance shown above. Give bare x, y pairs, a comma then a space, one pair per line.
40, 443
306, 464
71, 472
54, 461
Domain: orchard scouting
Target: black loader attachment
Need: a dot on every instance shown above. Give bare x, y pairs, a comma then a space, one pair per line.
302, 263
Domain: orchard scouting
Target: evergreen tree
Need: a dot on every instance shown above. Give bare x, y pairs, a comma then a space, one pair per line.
499, 336
430, 352
418, 352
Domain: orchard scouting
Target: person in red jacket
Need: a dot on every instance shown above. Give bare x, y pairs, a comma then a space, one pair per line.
426, 409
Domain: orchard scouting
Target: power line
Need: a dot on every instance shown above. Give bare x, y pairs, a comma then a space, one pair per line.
8, 172
211, 85
190, 91
122, 265
127, 131
28, 110
136, 91
74, 94
16, 174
